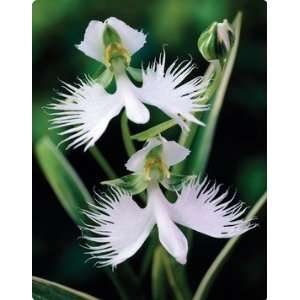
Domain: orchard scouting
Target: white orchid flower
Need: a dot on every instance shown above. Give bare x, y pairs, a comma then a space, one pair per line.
120, 226
163, 88
85, 111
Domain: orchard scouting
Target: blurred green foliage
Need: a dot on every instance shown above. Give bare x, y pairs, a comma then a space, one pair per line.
238, 155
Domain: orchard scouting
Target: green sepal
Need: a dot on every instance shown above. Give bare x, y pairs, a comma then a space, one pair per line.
105, 78
135, 73
176, 182
134, 184
207, 42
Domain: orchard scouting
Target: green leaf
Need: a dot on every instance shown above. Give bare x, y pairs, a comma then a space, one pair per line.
176, 276
158, 275
134, 184
151, 244
43, 289
129, 146
153, 131
217, 265
63, 179
202, 142
176, 182
73, 195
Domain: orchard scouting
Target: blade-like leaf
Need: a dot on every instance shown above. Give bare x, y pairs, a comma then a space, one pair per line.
153, 131
158, 275
63, 179
43, 289
177, 278
218, 263
202, 141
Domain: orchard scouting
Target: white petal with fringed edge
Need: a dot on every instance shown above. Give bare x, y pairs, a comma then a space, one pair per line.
165, 90
172, 152
92, 44
200, 208
85, 111
120, 226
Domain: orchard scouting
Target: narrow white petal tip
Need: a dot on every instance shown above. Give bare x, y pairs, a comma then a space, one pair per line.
201, 208
165, 89
83, 113
170, 236
138, 114
182, 259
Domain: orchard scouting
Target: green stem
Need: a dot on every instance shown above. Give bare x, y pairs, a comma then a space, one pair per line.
148, 256
120, 289
211, 274
103, 163
175, 279
186, 139
158, 275
201, 147
129, 146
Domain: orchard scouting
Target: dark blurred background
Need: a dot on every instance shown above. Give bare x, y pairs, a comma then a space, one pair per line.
238, 157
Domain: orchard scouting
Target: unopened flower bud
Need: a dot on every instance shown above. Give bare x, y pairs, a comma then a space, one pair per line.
216, 41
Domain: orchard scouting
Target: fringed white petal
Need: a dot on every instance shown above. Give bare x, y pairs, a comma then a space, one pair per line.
169, 234
132, 39
84, 112
119, 228
136, 111
137, 160
92, 44
165, 90
200, 208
